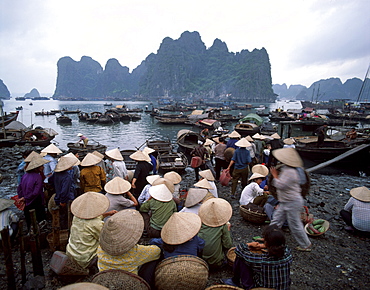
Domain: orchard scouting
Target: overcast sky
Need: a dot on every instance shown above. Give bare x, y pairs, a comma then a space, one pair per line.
306, 40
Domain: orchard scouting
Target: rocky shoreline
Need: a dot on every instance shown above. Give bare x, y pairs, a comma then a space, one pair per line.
339, 260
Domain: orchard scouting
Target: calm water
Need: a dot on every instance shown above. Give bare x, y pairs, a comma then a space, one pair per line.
129, 135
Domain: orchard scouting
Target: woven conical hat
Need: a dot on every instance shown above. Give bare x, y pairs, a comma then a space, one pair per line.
195, 196
148, 150
98, 154
261, 169
90, 159
217, 140
256, 175
275, 136
78, 162
114, 154
180, 228
215, 212
243, 143
5, 203
121, 232
117, 186
288, 156
249, 138
234, 134
65, 163
361, 193
32, 155
208, 142
140, 156
160, 192
36, 162
51, 149
152, 178
84, 286
207, 174
168, 183
288, 141
256, 136
173, 176
203, 184
90, 205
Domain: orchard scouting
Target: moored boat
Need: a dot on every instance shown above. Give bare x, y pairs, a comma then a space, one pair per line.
64, 120
130, 163
161, 146
170, 161
82, 151
245, 129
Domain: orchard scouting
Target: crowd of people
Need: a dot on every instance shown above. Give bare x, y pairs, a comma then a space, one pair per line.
114, 209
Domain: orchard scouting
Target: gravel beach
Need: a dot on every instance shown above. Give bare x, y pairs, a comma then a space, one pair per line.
339, 260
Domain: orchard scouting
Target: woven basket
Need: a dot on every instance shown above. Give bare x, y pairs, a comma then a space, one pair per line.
120, 279
231, 256
222, 287
181, 272
63, 240
252, 216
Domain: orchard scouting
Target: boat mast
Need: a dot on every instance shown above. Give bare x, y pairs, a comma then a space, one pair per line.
363, 86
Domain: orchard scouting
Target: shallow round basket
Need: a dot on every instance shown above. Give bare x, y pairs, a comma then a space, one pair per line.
63, 240
222, 287
231, 256
120, 279
326, 224
181, 272
252, 216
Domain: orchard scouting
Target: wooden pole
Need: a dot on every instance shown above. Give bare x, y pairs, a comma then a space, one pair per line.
22, 252
8, 258
38, 268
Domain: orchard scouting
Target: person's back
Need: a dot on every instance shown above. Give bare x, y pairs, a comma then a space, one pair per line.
92, 178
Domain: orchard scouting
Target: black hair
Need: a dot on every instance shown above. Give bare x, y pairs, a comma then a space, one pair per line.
221, 139
274, 241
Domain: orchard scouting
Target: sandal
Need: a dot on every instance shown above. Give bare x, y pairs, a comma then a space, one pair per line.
308, 249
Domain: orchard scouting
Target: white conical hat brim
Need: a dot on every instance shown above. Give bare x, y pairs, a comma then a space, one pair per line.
207, 174
173, 176
51, 149
114, 154
243, 143
160, 192
65, 163
361, 193
215, 212
117, 186
288, 156
90, 159
203, 184
90, 205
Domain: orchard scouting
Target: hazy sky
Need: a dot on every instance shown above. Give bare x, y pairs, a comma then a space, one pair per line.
306, 40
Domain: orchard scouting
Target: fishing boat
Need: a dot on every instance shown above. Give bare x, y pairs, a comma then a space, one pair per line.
83, 116
90, 148
20, 98
187, 141
94, 116
134, 110
66, 111
129, 117
31, 104
114, 116
171, 121
108, 104
64, 120
8, 118
19, 108
161, 146
171, 161
130, 163
249, 125
45, 113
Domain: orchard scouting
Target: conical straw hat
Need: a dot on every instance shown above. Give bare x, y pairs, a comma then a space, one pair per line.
256, 175
36, 162
65, 163
207, 174
217, 140
275, 136
148, 150
117, 186
168, 183
114, 154
84, 286
249, 138
289, 141
215, 212
152, 178
243, 143
208, 142
261, 169
51, 149
288, 156
180, 228
78, 162
90, 205
32, 155
98, 154
256, 136
195, 196
361, 193
140, 156
203, 184
90, 159
5, 203
173, 176
121, 232
234, 134
160, 192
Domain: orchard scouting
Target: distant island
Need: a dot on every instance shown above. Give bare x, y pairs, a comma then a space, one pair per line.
181, 69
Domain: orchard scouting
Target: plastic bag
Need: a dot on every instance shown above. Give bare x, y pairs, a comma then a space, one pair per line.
19, 204
225, 177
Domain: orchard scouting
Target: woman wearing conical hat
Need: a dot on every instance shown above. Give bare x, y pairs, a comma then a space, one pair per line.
209, 177
356, 213
253, 193
31, 190
275, 143
233, 138
195, 198
175, 178
142, 170
92, 176
145, 195
179, 236
118, 165
21, 167
50, 153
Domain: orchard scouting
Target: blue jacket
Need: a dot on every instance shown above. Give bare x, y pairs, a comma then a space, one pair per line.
242, 158
63, 183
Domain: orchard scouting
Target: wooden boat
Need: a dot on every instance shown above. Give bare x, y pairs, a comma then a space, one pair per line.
83, 116
108, 104
130, 163
209, 124
245, 129
161, 146
20, 98
45, 113
64, 120
94, 116
129, 117
90, 148
66, 111
8, 118
31, 104
19, 108
104, 120
187, 141
171, 121
171, 161
134, 110
114, 116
